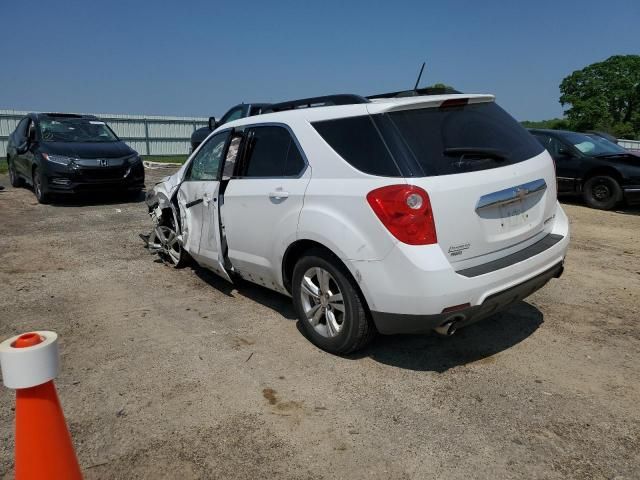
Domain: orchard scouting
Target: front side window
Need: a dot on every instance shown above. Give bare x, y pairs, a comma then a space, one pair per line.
271, 152
76, 130
552, 145
21, 129
206, 163
234, 114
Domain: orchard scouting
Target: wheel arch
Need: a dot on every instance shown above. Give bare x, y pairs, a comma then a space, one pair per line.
297, 250
606, 170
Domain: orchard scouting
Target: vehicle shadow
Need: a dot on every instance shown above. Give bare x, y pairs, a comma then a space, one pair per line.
479, 341
428, 352
96, 198
268, 298
622, 208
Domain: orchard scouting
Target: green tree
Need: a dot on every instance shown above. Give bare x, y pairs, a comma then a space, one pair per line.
605, 96
554, 123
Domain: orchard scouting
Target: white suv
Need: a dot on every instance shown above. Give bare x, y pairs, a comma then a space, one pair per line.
395, 215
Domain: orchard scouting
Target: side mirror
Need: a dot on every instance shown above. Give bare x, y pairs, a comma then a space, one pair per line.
565, 152
213, 124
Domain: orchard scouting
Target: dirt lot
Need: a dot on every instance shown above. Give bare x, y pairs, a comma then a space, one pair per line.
175, 374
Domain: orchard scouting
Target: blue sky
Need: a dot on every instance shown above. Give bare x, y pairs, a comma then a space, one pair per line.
201, 57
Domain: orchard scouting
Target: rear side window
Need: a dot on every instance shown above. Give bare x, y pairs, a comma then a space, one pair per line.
356, 140
461, 139
271, 152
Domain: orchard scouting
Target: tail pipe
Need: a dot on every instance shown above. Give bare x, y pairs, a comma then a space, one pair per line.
450, 326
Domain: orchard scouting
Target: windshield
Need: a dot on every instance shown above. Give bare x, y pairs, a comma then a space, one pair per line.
593, 145
75, 130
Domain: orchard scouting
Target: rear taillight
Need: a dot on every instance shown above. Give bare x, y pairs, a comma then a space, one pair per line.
405, 210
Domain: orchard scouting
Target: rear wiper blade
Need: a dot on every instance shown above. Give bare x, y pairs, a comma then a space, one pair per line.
476, 151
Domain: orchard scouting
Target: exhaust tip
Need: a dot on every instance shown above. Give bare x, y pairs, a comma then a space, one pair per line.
449, 327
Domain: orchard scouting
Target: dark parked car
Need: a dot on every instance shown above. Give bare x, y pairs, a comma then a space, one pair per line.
239, 111
601, 171
66, 153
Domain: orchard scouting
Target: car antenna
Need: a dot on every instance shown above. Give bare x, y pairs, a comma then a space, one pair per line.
415, 89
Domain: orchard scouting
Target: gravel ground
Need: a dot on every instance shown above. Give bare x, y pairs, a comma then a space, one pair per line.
176, 374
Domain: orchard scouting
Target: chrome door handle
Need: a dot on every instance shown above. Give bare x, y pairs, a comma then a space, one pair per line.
206, 199
278, 194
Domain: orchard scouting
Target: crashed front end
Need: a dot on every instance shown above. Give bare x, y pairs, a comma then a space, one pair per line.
165, 238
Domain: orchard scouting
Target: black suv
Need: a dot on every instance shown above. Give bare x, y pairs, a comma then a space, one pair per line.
66, 153
234, 113
603, 172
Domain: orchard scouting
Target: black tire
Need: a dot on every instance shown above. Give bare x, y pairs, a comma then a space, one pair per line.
602, 192
14, 178
41, 196
357, 328
183, 256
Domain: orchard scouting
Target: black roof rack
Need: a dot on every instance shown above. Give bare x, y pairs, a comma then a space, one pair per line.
417, 92
328, 100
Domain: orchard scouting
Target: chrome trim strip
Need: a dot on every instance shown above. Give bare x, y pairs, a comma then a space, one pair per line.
511, 195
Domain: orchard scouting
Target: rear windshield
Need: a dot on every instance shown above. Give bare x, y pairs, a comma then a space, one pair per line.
431, 141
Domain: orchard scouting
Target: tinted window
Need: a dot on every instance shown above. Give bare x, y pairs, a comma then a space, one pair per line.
84, 130
430, 141
232, 115
552, 145
21, 129
463, 138
272, 152
206, 163
357, 141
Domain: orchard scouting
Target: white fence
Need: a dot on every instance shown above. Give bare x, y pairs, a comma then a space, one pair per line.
148, 135
630, 144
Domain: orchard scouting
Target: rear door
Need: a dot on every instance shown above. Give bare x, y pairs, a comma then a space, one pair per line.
262, 203
197, 191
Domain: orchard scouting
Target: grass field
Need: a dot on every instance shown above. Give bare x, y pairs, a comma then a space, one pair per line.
3, 166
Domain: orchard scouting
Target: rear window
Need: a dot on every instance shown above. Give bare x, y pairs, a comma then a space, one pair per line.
432, 141
356, 139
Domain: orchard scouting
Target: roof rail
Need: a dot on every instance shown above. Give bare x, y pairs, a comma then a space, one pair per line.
67, 115
328, 100
416, 93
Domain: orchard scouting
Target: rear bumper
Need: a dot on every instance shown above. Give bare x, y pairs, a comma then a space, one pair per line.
390, 323
631, 194
408, 291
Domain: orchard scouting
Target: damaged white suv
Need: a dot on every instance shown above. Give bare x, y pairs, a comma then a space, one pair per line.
395, 215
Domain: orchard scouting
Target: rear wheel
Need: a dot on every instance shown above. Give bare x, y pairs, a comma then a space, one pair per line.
329, 305
14, 178
602, 192
41, 196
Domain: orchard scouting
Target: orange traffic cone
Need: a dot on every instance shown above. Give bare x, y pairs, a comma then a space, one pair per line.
43, 445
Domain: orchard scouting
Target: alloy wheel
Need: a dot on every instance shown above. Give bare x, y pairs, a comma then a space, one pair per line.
322, 302
164, 241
